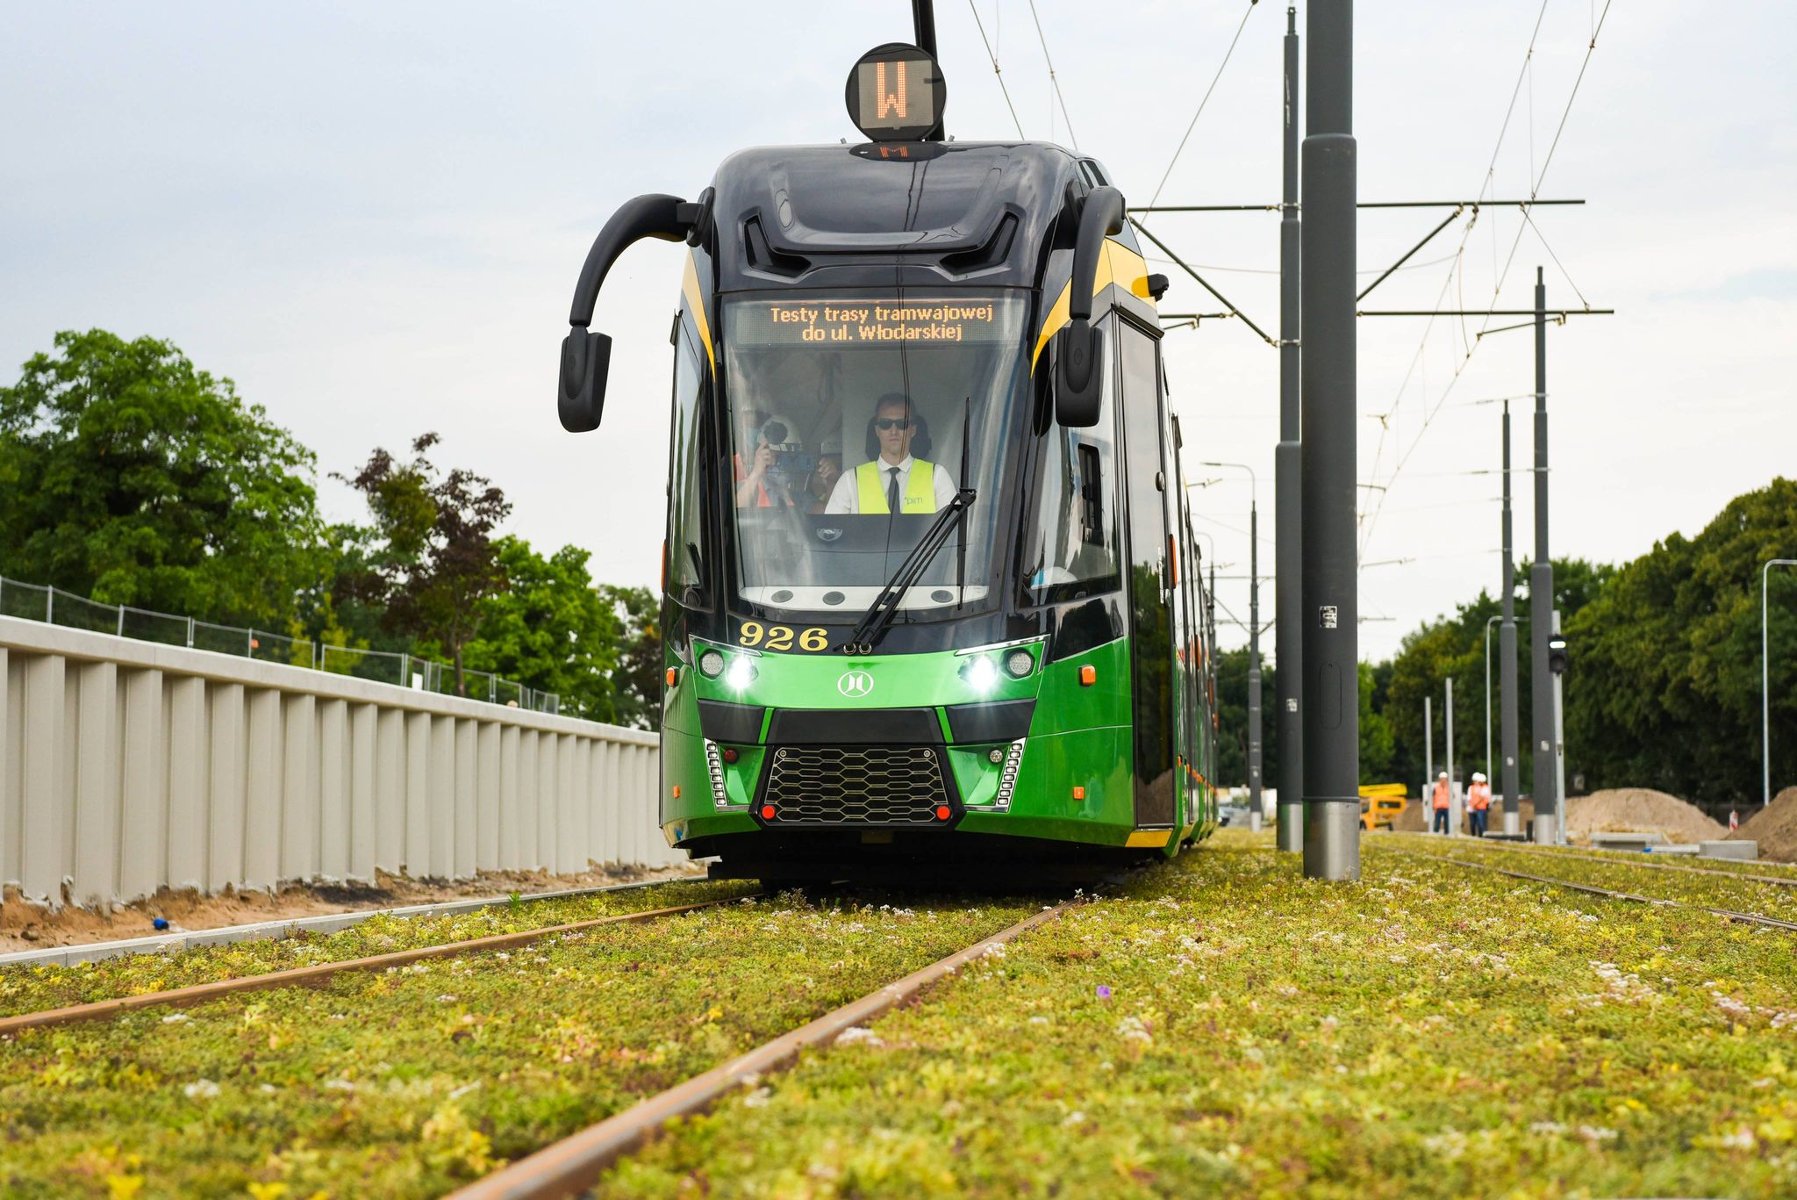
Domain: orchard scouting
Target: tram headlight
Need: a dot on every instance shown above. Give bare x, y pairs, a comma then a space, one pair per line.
740, 674
711, 664
981, 674
1019, 663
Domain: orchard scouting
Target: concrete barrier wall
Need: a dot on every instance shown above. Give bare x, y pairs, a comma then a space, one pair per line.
127, 766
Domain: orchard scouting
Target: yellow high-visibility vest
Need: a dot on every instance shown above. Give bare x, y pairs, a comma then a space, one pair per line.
920, 488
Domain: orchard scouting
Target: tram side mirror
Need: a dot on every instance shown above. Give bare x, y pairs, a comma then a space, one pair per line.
1078, 374
580, 396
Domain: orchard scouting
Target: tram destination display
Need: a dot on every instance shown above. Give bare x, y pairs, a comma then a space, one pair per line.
895, 94
838, 323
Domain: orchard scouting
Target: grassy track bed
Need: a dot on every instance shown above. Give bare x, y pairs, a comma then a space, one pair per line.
1227, 1028
26, 989
1630, 875
403, 1083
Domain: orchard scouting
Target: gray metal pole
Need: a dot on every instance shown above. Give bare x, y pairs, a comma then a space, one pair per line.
1486, 702
1453, 774
1254, 726
1327, 399
1560, 743
1428, 749
1541, 598
1507, 733
1288, 467
1766, 685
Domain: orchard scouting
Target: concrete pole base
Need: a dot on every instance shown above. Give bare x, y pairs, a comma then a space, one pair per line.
1291, 827
1545, 831
1332, 839
1253, 820
1512, 823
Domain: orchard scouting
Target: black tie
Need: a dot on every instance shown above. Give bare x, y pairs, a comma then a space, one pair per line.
892, 499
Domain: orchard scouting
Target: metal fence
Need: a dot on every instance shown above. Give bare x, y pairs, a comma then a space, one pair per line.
37, 602
127, 766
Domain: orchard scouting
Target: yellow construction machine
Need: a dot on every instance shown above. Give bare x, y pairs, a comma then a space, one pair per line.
1380, 804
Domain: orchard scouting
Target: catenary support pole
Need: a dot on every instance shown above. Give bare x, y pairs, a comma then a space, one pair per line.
1448, 762
1327, 398
1288, 467
1560, 741
1254, 726
1511, 781
1541, 600
1428, 750
1486, 702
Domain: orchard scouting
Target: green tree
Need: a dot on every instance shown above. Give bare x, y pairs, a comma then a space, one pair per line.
431, 562
637, 679
1376, 741
1663, 689
551, 630
131, 476
1454, 647
1232, 725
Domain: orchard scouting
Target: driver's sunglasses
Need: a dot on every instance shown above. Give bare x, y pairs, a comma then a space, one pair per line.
885, 423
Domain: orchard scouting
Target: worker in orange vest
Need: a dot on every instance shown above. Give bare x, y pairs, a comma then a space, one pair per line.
1444, 797
1478, 802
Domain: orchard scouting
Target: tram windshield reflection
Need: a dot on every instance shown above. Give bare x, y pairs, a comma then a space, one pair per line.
853, 419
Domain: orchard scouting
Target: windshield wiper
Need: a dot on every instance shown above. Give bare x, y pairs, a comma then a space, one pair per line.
881, 613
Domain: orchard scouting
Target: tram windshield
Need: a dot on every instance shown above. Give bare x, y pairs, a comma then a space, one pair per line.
854, 420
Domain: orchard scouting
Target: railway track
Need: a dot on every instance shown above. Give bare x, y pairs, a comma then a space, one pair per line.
1744, 918
1642, 862
320, 972
575, 1163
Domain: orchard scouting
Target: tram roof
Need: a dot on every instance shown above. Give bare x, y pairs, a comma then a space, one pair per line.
954, 211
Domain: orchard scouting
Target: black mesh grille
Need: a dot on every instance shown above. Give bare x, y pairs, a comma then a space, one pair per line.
856, 785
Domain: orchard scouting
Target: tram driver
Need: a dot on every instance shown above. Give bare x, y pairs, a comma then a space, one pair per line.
893, 480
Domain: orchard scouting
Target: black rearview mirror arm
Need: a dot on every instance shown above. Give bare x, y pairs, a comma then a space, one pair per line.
586, 356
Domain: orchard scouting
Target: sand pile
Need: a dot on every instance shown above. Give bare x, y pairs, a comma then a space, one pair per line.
1638, 810
1774, 827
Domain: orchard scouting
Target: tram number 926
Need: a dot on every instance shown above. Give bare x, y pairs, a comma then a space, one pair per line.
781, 637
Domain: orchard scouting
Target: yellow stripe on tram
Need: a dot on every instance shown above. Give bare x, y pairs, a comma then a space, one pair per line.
695, 304
1119, 265
1149, 837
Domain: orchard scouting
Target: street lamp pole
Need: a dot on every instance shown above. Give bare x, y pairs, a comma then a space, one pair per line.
1765, 685
1254, 725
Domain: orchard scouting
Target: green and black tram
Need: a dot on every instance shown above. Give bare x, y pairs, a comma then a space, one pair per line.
931, 597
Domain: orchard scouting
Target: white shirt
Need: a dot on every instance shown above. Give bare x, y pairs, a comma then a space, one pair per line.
846, 496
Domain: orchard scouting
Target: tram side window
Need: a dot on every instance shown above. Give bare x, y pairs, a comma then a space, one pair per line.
686, 521
1073, 550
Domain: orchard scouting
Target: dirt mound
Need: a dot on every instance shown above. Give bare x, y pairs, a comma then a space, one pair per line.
1639, 810
1774, 827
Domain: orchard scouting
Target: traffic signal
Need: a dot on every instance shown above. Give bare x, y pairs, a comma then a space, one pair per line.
1556, 654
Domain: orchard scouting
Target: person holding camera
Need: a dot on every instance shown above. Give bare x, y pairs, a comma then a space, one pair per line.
767, 483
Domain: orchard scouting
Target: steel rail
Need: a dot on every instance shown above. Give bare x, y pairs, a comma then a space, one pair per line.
1622, 860
1637, 861
1743, 918
575, 1163
281, 929
199, 993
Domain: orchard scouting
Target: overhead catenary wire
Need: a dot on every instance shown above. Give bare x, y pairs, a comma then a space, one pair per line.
1453, 271
1053, 80
1369, 521
996, 71
1193, 124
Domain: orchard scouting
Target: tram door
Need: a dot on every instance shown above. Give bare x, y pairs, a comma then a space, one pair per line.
1148, 477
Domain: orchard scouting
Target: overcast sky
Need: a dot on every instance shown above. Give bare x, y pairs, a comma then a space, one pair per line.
370, 216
